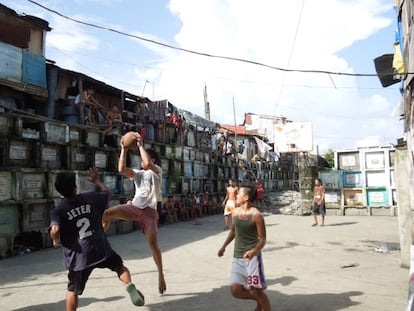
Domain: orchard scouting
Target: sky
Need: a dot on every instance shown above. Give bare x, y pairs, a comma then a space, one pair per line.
342, 36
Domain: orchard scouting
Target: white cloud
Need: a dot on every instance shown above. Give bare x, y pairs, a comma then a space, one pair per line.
265, 32
343, 115
369, 141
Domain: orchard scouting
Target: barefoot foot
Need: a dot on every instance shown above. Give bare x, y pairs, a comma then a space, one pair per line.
162, 287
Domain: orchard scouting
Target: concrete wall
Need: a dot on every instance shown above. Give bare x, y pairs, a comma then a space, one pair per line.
403, 178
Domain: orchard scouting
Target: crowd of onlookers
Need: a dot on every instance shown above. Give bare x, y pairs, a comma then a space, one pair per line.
197, 204
189, 207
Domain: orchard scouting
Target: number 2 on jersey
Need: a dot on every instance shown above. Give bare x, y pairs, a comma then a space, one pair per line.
84, 224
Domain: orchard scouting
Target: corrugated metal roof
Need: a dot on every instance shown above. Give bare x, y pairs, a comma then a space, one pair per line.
239, 130
196, 120
36, 21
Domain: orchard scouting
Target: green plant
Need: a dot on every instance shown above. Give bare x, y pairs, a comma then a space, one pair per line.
329, 157
175, 176
174, 180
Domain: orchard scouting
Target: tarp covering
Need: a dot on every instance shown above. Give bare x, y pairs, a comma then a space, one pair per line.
196, 120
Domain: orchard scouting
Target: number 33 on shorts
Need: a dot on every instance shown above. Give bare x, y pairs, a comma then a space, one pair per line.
252, 280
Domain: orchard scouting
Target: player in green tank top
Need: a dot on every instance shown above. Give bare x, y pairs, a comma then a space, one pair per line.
249, 232
246, 236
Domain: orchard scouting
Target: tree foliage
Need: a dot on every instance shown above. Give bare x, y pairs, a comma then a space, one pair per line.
330, 157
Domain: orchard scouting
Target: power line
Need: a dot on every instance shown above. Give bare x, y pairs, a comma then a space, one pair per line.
333, 115
236, 59
113, 61
108, 60
91, 70
390, 88
290, 57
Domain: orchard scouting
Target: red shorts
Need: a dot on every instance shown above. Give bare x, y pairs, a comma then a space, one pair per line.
146, 217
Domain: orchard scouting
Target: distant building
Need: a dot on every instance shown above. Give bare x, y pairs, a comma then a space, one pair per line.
366, 177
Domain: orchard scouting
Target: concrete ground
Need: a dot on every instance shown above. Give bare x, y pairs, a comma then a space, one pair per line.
350, 264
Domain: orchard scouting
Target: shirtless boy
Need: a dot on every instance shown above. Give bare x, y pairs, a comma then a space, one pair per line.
318, 207
229, 202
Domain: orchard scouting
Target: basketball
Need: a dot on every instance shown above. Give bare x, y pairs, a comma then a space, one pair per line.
129, 140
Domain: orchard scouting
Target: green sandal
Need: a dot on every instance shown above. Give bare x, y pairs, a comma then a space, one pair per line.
137, 297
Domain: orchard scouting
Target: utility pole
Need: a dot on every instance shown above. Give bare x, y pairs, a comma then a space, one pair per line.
143, 89
206, 104
235, 125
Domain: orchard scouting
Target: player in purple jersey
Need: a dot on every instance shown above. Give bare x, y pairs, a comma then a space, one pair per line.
76, 224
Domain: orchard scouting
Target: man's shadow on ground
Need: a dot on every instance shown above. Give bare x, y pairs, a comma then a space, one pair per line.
221, 299
60, 305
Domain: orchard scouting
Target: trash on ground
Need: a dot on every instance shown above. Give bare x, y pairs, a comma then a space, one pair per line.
352, 265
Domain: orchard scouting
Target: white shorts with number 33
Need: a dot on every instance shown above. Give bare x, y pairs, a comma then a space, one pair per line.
249, 273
